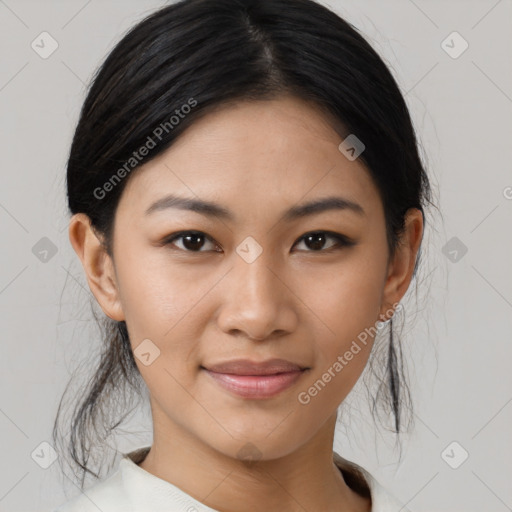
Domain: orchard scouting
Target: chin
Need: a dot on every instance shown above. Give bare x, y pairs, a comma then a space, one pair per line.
252, 447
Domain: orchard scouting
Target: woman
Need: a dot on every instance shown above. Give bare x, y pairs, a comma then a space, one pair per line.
247, 203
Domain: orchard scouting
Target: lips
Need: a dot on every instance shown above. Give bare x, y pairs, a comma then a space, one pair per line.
248, 367
255, 380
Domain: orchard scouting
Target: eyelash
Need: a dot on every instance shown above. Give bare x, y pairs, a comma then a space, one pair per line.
342, 240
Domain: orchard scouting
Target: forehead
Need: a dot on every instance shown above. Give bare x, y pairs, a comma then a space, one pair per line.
249, 154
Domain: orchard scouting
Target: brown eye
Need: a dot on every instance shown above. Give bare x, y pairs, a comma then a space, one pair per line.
191, 241
316, 241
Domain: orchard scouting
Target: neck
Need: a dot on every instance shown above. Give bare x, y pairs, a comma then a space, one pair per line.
306, 479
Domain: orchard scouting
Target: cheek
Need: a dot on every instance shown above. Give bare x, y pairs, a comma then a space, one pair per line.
346, 299
163, 303
155, 294
347, 302
354, 307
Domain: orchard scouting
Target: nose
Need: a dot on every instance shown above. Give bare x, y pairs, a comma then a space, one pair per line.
257, 303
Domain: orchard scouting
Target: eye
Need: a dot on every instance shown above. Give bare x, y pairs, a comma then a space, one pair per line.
316, 240
192, 241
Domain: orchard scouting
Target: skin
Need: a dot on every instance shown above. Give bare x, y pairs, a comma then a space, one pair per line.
298, 301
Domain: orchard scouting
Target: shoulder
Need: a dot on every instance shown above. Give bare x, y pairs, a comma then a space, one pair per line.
107, 496
365, 484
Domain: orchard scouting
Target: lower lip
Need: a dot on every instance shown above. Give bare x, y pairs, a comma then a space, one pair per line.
256, 386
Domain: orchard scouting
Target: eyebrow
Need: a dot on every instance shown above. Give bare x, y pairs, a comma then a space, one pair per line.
211, 209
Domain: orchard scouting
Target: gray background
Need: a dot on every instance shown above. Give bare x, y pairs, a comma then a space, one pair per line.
457, 337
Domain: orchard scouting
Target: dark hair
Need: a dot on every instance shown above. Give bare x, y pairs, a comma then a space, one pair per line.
206, 54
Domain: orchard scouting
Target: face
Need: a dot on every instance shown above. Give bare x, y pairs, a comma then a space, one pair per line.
253, 280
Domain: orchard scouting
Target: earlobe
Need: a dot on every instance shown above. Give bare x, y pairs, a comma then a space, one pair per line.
401, 267
97, 264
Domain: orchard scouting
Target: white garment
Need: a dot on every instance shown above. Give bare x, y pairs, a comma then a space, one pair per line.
133, 489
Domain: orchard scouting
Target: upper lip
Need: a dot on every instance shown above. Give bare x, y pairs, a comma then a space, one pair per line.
248, 367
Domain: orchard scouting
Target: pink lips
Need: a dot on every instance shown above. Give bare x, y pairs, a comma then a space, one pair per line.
256, 380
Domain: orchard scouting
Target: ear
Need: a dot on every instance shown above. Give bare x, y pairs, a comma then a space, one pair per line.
401, 266
98, 265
